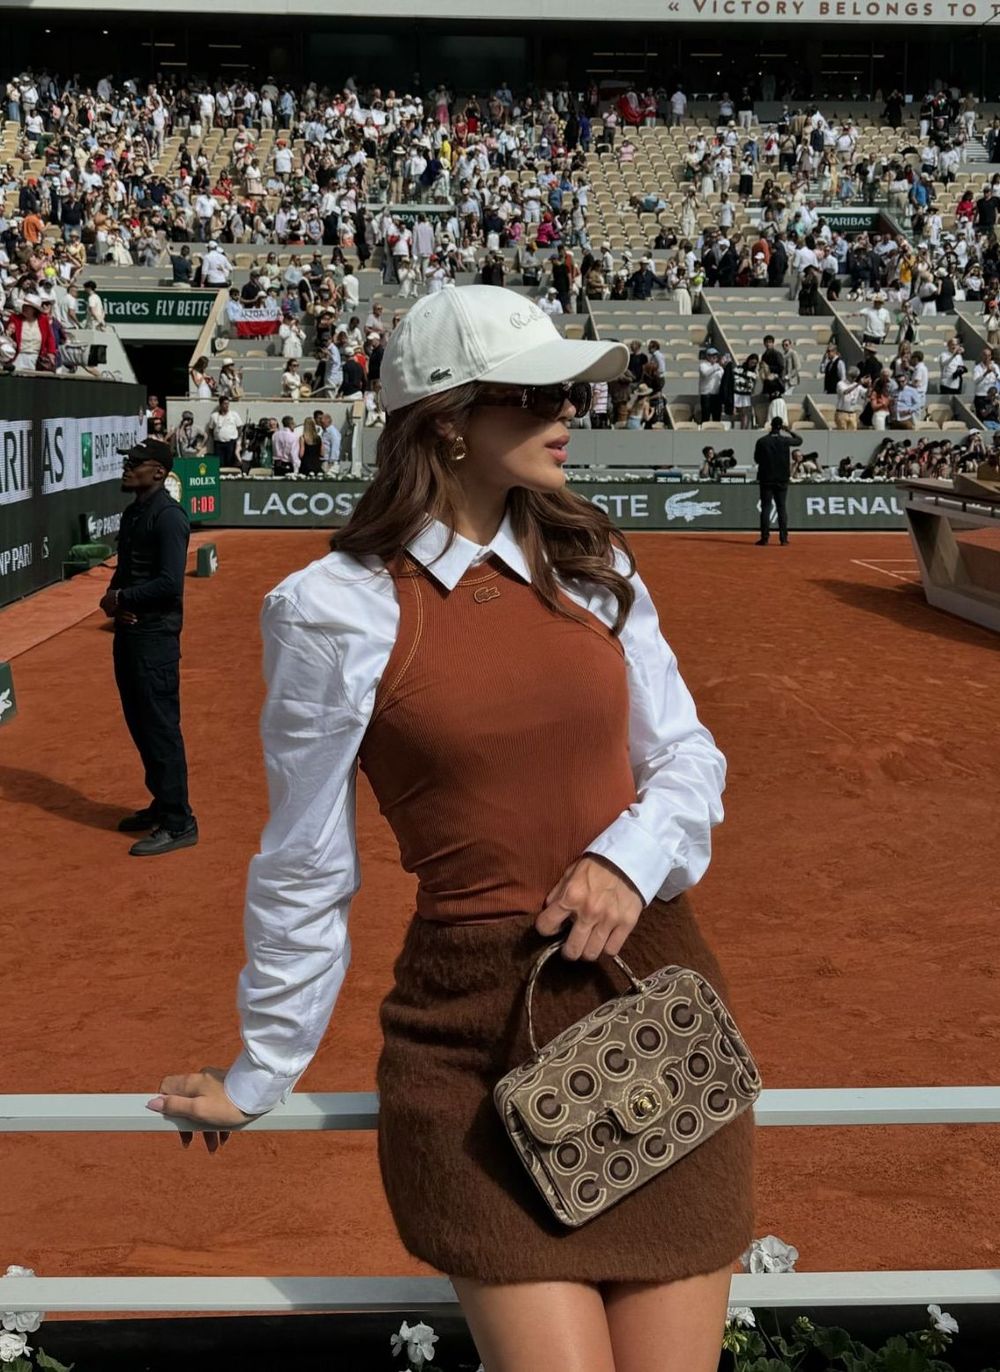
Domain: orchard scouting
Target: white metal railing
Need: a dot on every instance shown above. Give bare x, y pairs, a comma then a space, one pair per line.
359, 1110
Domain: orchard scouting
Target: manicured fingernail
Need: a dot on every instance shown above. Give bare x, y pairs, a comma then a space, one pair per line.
155, 1104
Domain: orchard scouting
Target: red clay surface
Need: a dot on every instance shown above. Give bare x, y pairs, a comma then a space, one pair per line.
851, 899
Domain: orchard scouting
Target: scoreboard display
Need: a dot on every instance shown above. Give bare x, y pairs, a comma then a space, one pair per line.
194, 483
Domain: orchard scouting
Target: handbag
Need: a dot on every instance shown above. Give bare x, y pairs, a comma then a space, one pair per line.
625, 1092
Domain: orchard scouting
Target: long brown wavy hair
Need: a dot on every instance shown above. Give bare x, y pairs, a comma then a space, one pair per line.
558, 531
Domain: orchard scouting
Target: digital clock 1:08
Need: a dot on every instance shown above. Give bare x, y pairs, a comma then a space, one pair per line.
202, 504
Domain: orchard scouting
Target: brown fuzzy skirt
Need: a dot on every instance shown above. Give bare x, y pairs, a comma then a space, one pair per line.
463, 1202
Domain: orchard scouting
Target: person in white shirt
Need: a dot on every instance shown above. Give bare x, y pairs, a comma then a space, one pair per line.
919, 375
95, 307
225, 429
286, 448
291, 379
216, 268
678, 107
875, 320
709, 386
549, 302
352, 291
330, 441
292, 338
953, 368
851, 397
445, 669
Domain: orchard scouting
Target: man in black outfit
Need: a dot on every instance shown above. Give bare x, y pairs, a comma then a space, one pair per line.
772, 456
145, 601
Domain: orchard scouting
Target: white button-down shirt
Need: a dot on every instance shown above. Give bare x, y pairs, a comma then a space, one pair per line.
327, 633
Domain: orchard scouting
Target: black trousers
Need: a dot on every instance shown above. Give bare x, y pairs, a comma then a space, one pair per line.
147, 674
711, 407
778, 493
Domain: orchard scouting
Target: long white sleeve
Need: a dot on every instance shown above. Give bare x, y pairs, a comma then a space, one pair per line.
301, 882
663, 841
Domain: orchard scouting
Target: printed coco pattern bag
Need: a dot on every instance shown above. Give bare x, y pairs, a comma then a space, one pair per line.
620, 1095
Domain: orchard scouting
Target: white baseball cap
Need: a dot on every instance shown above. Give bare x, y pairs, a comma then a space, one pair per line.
486, 333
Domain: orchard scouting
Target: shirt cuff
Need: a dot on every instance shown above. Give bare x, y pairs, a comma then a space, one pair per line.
640, 856
255, 1090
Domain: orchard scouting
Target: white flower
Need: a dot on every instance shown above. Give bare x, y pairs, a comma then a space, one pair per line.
742, 1314
23, 1321
942, 1320
769, 1254
419, 1340
12, 1346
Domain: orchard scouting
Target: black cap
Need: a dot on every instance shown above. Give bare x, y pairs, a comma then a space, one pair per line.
150, 450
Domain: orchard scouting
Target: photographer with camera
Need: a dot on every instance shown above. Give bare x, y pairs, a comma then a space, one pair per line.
773, 458
714, 465
953, 368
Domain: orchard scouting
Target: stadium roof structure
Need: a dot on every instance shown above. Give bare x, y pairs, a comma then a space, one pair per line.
904, 13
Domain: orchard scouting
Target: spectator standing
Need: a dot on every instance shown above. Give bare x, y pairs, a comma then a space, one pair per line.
186, 440
145, 601
710, 386
953, 368
772, 454
851, 398
330, 443
286, 448
223, 430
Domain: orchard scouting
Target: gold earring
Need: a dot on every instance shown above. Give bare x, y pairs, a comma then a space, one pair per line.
457, 455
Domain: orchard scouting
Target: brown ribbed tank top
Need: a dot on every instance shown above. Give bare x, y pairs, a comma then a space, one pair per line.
498, 743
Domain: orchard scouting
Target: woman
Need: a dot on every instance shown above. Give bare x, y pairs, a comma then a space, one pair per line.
513, 624
310, 449
744, 384
681, 293
230, 382
640, 410
31, 331
202, 385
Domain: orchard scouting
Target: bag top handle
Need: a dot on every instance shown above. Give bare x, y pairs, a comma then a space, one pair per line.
540, 962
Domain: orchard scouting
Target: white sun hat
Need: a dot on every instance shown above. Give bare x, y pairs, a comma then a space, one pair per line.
486, 333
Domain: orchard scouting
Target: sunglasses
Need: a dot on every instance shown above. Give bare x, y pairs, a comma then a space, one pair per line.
547, 402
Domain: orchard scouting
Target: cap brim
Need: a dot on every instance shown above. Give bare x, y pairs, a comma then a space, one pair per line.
561, 359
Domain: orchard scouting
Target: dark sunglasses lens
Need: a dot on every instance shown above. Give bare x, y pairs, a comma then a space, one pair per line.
548, 402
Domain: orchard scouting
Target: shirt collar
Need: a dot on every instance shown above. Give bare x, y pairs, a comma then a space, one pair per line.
452, 565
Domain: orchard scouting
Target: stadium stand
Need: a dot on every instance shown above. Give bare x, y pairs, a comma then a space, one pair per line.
322, 215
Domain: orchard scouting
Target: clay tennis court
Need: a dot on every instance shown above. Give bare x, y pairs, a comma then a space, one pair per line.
852, 901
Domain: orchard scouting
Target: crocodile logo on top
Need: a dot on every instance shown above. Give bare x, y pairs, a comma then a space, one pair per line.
684, 506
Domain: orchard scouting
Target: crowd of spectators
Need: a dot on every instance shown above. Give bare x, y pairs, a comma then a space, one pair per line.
103, 196
283, 446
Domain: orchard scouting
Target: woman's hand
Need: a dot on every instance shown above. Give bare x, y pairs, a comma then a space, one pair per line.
602, 902
200, 1096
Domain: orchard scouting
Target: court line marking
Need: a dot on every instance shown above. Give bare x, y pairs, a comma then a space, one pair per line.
910, 580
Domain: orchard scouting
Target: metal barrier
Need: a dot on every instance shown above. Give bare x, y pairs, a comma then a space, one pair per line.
359, 1111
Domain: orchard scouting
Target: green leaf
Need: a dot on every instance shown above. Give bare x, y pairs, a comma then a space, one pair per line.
834, 1342
898, 1356
45, 1360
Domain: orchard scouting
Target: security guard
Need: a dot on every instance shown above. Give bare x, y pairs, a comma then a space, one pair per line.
773, 458
145, 601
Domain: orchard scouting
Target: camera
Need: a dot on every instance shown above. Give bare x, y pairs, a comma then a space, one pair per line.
722, 461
